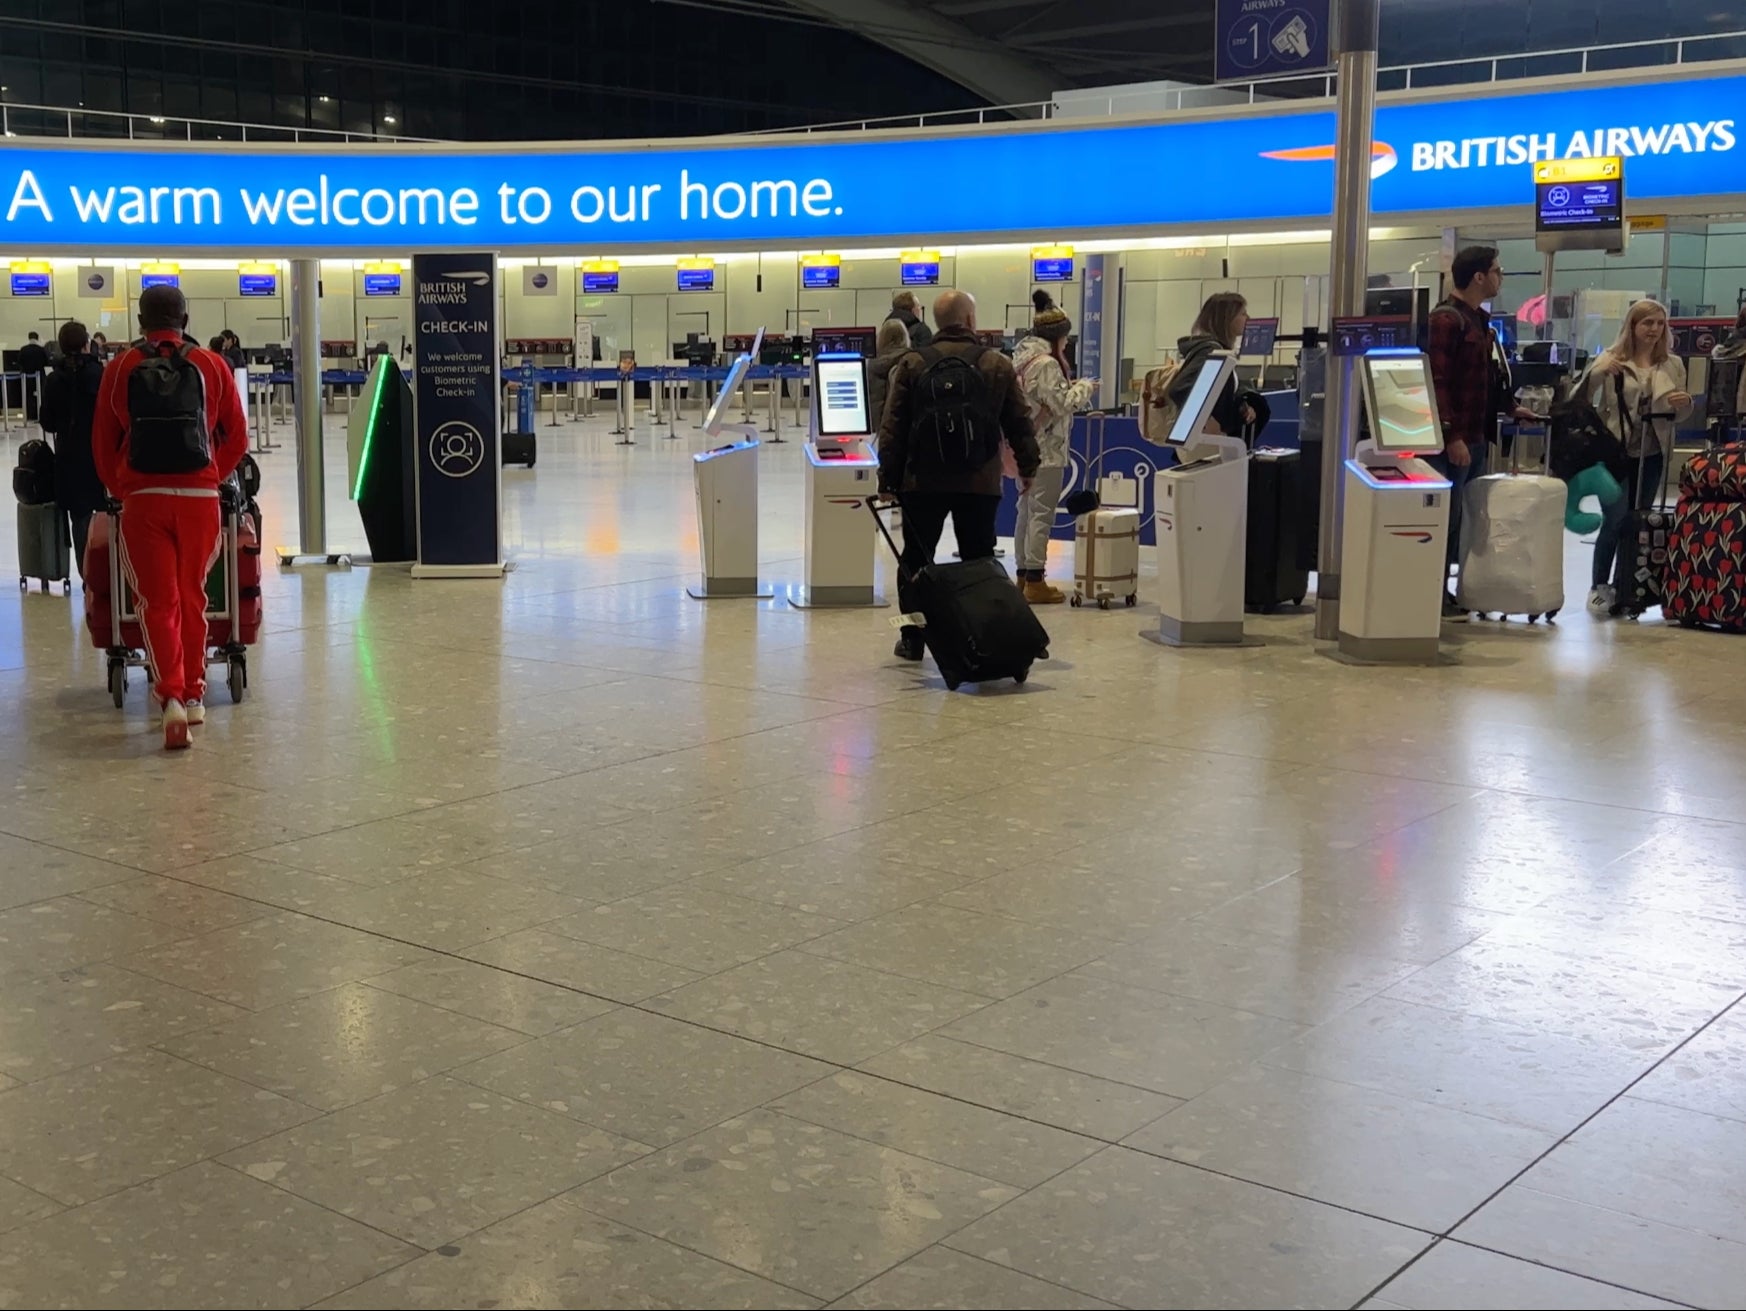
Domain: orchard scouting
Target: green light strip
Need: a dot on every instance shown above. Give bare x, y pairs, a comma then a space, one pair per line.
383, 363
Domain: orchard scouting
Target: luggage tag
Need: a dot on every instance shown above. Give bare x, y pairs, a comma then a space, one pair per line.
908, 621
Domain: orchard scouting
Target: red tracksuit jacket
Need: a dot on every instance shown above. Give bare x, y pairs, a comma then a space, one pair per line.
224, 415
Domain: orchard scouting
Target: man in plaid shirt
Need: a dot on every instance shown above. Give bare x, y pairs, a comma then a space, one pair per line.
1470, 396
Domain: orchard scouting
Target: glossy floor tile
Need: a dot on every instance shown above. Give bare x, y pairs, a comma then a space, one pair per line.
564, 942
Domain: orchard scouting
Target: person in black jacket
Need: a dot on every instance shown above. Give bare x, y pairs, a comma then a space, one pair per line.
1219, 327
906, 309
233, 351
69, 401
33, 362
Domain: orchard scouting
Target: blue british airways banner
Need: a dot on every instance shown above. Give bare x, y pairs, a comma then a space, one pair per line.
1443, 157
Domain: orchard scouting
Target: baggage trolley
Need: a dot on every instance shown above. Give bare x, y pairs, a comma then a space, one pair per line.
224, 632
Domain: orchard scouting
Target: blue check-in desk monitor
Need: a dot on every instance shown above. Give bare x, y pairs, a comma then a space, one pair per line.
842, 471
1394, 542
1203, 517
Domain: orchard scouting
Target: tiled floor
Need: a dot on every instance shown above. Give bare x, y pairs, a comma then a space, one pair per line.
565, 942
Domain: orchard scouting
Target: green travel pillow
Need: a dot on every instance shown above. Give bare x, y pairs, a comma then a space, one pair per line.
1593, 481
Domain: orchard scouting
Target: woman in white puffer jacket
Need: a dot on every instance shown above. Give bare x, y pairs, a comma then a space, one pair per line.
1045, 381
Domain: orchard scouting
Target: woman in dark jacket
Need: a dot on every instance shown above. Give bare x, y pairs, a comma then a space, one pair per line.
889, 347
1218, 327
68, 404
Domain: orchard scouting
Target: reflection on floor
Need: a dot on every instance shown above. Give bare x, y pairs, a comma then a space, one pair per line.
566, 942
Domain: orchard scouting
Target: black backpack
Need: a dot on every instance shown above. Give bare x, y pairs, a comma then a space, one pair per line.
33, 481
166, 412
954, 427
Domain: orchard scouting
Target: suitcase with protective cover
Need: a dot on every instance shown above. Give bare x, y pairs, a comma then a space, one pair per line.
1705, 582
1512, 546
976, 623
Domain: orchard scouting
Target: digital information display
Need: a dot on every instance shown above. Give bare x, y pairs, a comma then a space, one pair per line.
381, 284
1690, 337
1579, 204
701, 279
1369, 332
920, 273
1259, 337
257, 284
159, 280
842, 395
820, 277
1401, 404
599, 284
30, 284
1052, 268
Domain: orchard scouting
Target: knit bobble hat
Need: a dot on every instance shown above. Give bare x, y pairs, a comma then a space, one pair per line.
1050, 323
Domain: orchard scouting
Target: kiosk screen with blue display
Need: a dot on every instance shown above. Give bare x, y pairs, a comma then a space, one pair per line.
1564, 205
159, 280
30, 284
922, 273
257, 284
1401, 403
381, 284
1056, 268
697, 279
820, 277
842, 395
599, 284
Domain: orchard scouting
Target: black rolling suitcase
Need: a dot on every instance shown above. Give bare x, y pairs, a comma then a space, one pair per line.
1273, 570
1641, 566
977, 625
520, 448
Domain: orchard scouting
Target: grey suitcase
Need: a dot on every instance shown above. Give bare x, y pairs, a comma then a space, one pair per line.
45, 546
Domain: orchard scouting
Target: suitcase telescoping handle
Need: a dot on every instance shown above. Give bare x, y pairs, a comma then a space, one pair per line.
877, 507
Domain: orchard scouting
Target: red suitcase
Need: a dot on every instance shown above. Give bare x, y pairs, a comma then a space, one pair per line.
233, 620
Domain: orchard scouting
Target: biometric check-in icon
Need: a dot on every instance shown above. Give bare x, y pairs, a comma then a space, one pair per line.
456, 449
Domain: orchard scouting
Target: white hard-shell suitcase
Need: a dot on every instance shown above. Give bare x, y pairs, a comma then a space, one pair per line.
1106, 558
1512, 546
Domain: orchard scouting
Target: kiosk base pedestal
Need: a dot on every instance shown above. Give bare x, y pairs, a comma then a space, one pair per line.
728, 589
1372, 651
1182, 633
835, 598
460, 570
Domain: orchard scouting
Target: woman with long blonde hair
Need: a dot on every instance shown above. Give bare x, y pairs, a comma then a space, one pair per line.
1639, 388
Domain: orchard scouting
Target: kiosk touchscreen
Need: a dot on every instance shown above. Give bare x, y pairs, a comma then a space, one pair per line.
1394, 541
1203, 520
842, 471
727, 498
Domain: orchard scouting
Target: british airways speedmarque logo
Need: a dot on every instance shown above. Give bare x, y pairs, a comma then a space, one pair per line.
1382, 156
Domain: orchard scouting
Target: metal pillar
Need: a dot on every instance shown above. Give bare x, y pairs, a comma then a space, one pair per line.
1355, 36
306, 405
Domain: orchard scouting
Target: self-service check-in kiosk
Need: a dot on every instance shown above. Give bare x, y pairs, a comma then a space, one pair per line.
1202, 509
1392, 547
842, 471
727, 500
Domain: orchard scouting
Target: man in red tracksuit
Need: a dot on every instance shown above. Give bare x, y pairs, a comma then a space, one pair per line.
169, 429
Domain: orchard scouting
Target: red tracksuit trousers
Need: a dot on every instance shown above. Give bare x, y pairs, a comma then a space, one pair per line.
168, 545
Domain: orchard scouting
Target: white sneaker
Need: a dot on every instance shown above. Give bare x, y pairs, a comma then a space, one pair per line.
176, 727
196, 711
1601, 599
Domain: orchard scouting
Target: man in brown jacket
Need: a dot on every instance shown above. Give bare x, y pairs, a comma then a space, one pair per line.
948, 408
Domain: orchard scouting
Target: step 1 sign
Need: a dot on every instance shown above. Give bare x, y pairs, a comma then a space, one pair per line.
458, 408
1271, 38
